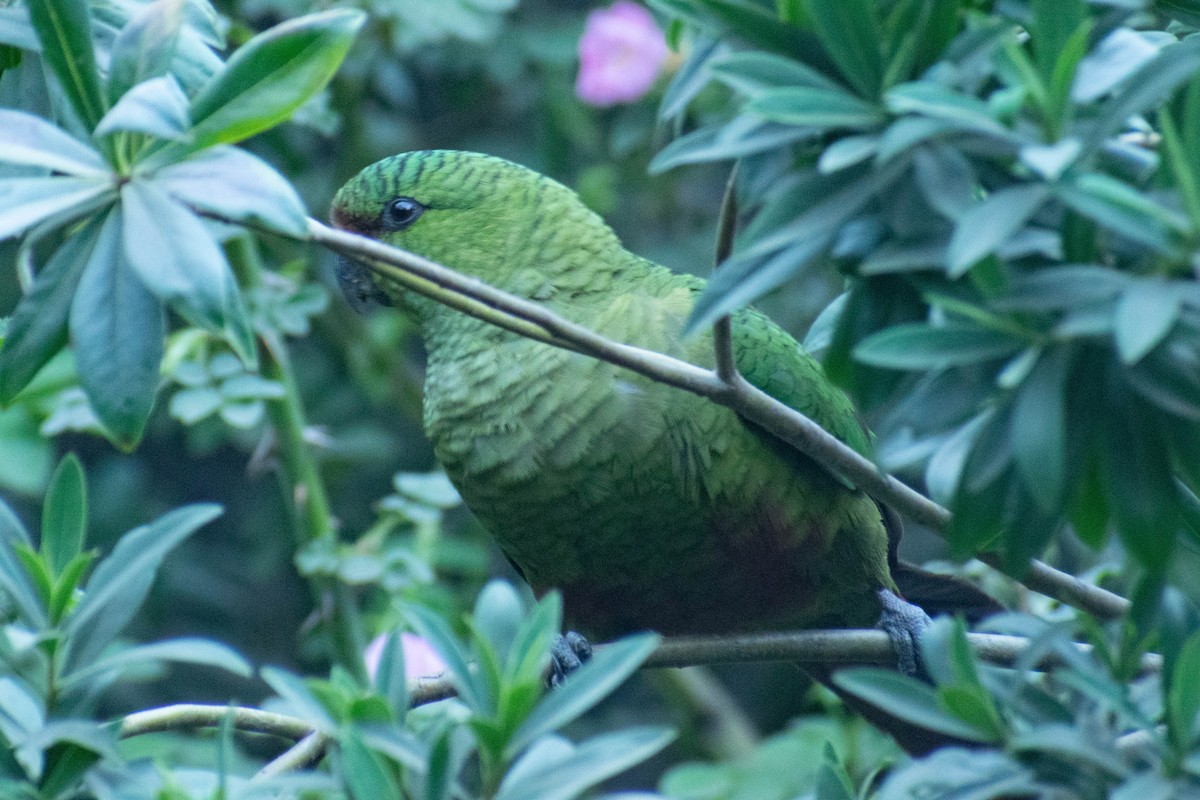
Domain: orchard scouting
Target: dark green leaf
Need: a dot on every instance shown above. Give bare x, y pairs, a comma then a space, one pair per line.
121, 582
64, 514
117, 334
156, 106
237, 186
956, 773
64, 28
849, 31
937, 102
33, 141
816, 108
300, 697
943, 473
530, 652
1183, 698
472, 690
921, 346
987, 225
145, 46
743, 136
584, 688
738, 19
24, 202
1146, 313
1060, 288
752, 72
199, 652
691, 77
1140, 485
15, 582
1145, 89
569, 775
272, 75
1039, 428
38, 327
907, 699
1124, 210
946, 178
364, 772
1169, 376
391, 678
62, 595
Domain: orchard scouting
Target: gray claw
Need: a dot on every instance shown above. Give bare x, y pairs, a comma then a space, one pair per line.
568, 653
904, 622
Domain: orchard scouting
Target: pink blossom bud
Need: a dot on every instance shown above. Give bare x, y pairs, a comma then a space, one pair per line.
420, 659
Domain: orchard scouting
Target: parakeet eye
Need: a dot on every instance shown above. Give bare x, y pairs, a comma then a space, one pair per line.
401, 212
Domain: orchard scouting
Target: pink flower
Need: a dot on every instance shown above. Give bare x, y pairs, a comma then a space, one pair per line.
420, 660
621, 54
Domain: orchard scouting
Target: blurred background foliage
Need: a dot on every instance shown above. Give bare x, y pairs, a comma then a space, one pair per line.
990, 210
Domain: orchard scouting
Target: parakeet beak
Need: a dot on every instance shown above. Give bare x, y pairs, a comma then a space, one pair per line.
358, 286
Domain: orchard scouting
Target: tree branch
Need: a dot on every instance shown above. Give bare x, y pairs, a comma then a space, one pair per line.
189, 715
524, 317
723, 328
306, 753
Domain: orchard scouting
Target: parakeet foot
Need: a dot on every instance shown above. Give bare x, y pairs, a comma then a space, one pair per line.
903, 622
567, 654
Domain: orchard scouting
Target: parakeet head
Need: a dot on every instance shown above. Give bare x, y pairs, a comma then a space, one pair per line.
474, 213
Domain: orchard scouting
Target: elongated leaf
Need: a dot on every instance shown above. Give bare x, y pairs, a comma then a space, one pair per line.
24, 202
584, 688
145, 46
195, 276
1140, 485
1146, 313
32, 141
932, 100
1110, 62
743, 136
156, 106
38, 327
64, 514
987, 225
906, 698
17, 31
850, 33
64, 28
471, 690
920, 346
272, 75
1039, 429
391, 678
817, 108
296, 693
1145, 89
741, 20
199, 652
15, 583
1121, 208
121, 582
365, 773
238, 186
752, 72
596, 759
1183, 699
116, 328
691, 77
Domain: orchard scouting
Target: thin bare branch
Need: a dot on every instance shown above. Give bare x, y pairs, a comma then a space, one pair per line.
306, 753
189, 715
723, 328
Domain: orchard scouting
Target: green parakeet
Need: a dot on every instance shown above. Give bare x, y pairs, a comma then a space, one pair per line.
647, 506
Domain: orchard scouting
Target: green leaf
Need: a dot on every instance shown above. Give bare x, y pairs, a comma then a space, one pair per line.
937, 102
690, 79
738, 19
817, 108
1061, 288
987, 225
33, 141
850, 33
585, 687
62, 594
742, 136
920, 346
751, 72
1124, 210
16, 30
566, 775
1183, 698
197, 652
296, 693
15, 581
64, 28
121, 582
391, 679
1140, 485
156, 106
24, 202
1146, 313
497, 616
364, 772
908, 699
64, 514
530, 651
1039, 429
960, 773
272, 75
117, 335
145, 46
1144, 90
946, 178
472, 690
38, 327
1072, 744
237, 186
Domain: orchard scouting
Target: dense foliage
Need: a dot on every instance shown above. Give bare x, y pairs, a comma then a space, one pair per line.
1006, 195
